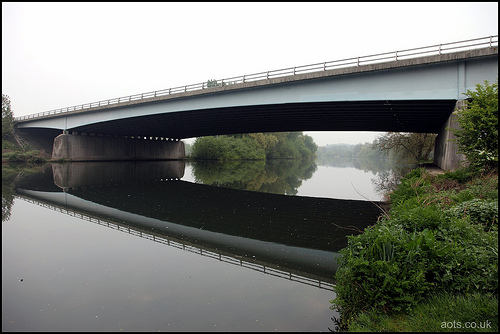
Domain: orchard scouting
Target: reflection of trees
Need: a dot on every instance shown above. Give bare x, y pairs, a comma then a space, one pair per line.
271, 176
12, 176
373, 165
8, 177
7, 201
388, 180
281, 176
388, 171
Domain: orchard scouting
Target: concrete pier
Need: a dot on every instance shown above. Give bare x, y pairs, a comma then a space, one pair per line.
446, 154
101, 148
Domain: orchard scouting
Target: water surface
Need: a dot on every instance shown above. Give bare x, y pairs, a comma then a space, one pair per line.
178, 247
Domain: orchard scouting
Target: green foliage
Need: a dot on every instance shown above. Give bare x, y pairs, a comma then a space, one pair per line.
226, 148
412, 185
7, 118
477, 136
30, 157
10, 145
433, 240
254, 146
478, 211
290, 145
461, 175
384, 268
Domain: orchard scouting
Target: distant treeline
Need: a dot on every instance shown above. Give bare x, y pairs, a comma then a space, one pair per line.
401, 148
395, 147
366, 150
254, 146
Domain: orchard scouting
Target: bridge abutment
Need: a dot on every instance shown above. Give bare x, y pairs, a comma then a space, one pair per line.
446, 154
101, 148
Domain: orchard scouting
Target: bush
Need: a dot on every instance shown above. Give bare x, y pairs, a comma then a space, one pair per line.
385, 268
478, 211
461, 175
7, 118
413, 216
477, 136
30, 157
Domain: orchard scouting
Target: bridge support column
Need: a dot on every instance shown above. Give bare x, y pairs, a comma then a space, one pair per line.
99, 148
446, 154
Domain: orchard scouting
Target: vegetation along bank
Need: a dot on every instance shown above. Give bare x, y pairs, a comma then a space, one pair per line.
431, 262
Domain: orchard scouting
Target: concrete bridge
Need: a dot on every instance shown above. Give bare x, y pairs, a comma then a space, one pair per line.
412, 90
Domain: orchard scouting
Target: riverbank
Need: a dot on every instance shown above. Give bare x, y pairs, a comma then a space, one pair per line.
431, 263
23, 151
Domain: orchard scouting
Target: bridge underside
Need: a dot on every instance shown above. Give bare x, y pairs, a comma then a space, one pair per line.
422, 116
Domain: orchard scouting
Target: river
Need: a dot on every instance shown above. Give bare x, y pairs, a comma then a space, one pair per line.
180, 246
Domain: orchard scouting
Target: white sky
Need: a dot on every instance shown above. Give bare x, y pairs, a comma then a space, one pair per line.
56, 55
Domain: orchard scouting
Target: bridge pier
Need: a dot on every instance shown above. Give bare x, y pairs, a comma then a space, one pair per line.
102, 148
446, 154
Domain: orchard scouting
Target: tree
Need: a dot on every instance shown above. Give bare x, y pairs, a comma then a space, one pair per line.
214, 83
310, 144
255, 146
409, 147
477, 136
227, 148
7, 117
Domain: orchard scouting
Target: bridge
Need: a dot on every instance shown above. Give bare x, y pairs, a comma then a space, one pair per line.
414, 90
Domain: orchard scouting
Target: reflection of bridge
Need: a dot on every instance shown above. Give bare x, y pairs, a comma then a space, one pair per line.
245, 261
267, 232
404, 91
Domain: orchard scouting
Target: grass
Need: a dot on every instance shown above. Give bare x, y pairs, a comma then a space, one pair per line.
444, 312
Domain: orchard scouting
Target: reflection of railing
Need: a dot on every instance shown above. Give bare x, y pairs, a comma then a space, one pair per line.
221, 256
438, 49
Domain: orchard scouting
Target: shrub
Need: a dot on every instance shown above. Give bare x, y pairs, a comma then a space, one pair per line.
460, 175
384, 268
471, 264
477, 136
413, 216
30, 157
477, 210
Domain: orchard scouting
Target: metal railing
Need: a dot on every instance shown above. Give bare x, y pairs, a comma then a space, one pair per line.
437, 49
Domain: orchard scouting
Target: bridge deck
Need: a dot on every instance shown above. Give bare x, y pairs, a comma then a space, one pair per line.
402, 58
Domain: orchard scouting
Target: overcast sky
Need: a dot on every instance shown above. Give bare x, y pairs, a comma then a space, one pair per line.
56, 55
